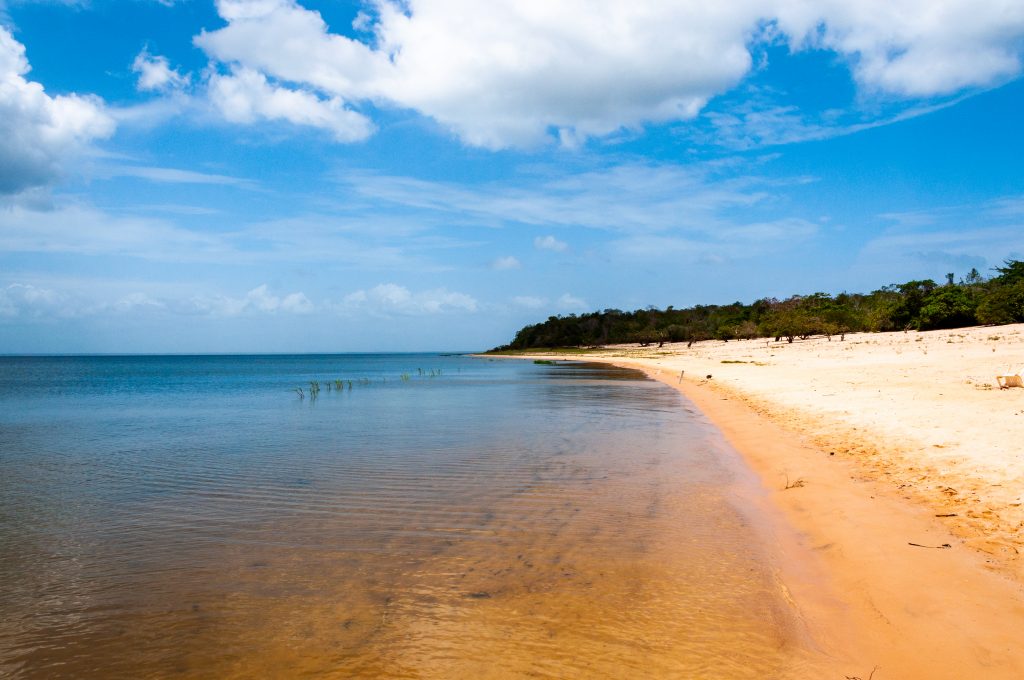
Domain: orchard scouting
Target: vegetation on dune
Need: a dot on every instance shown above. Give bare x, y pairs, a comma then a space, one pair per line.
917, 305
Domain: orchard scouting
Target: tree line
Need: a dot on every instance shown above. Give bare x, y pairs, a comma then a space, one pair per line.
918, 305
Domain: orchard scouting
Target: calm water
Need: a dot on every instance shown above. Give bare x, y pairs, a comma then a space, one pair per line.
192, 516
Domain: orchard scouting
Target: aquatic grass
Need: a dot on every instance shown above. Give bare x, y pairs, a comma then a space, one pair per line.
341, 384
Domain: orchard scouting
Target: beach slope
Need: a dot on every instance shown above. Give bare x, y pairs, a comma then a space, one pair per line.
900, 464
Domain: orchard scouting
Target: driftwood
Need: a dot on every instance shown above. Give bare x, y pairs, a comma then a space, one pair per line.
857, 677
937, 547
795, 485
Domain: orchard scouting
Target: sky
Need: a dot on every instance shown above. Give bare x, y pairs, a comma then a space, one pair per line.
181, 176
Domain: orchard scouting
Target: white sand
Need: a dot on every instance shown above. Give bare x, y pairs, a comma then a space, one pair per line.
899, 441
921, 411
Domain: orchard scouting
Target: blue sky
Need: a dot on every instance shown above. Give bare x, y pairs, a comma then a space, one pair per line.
264, 175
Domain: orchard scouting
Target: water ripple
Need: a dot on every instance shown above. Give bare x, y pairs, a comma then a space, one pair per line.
176, 516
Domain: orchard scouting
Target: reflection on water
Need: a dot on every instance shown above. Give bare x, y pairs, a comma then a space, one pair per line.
192, 517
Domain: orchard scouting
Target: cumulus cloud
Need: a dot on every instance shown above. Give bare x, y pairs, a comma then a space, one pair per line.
549, 243
246, 95
39, 132
259, 300
393, 298
155, 73
914, 48
31, 302
28, 301
501, 73
517, 73
506, 263
55, 300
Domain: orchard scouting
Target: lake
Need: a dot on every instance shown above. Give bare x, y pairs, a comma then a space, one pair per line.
427, 515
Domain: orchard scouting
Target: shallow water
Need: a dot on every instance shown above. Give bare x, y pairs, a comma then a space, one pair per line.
192, 516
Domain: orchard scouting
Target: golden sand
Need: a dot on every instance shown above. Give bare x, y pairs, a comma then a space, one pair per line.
905, 474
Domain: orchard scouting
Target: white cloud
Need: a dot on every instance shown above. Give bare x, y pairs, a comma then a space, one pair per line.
502, 73
929, 243
26, 300
257, 300
506, 263
38, 133
569, 302
742, 240
916, 48
759, 122
520, 72
88, 231
31, 302
260, 298
529, 301
716, 208
147, 114
549, 243
172, 175
392, 298
698, 203
136, 301
782, 229
246, 96
155, 73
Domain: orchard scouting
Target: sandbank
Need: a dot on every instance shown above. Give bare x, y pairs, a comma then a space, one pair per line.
904, 464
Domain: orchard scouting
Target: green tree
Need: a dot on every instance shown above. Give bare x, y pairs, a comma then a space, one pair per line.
1003, 301
1011, 272
915, 304
1002, 304
947, 307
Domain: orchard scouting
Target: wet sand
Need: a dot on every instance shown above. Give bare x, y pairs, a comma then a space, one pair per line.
904, 467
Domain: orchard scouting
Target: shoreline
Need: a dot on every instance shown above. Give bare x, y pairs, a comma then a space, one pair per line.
912, 612
894, 602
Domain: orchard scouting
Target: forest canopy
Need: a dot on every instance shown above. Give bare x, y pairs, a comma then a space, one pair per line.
917, 305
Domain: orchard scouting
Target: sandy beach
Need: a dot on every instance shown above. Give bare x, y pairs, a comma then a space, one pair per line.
898, 462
